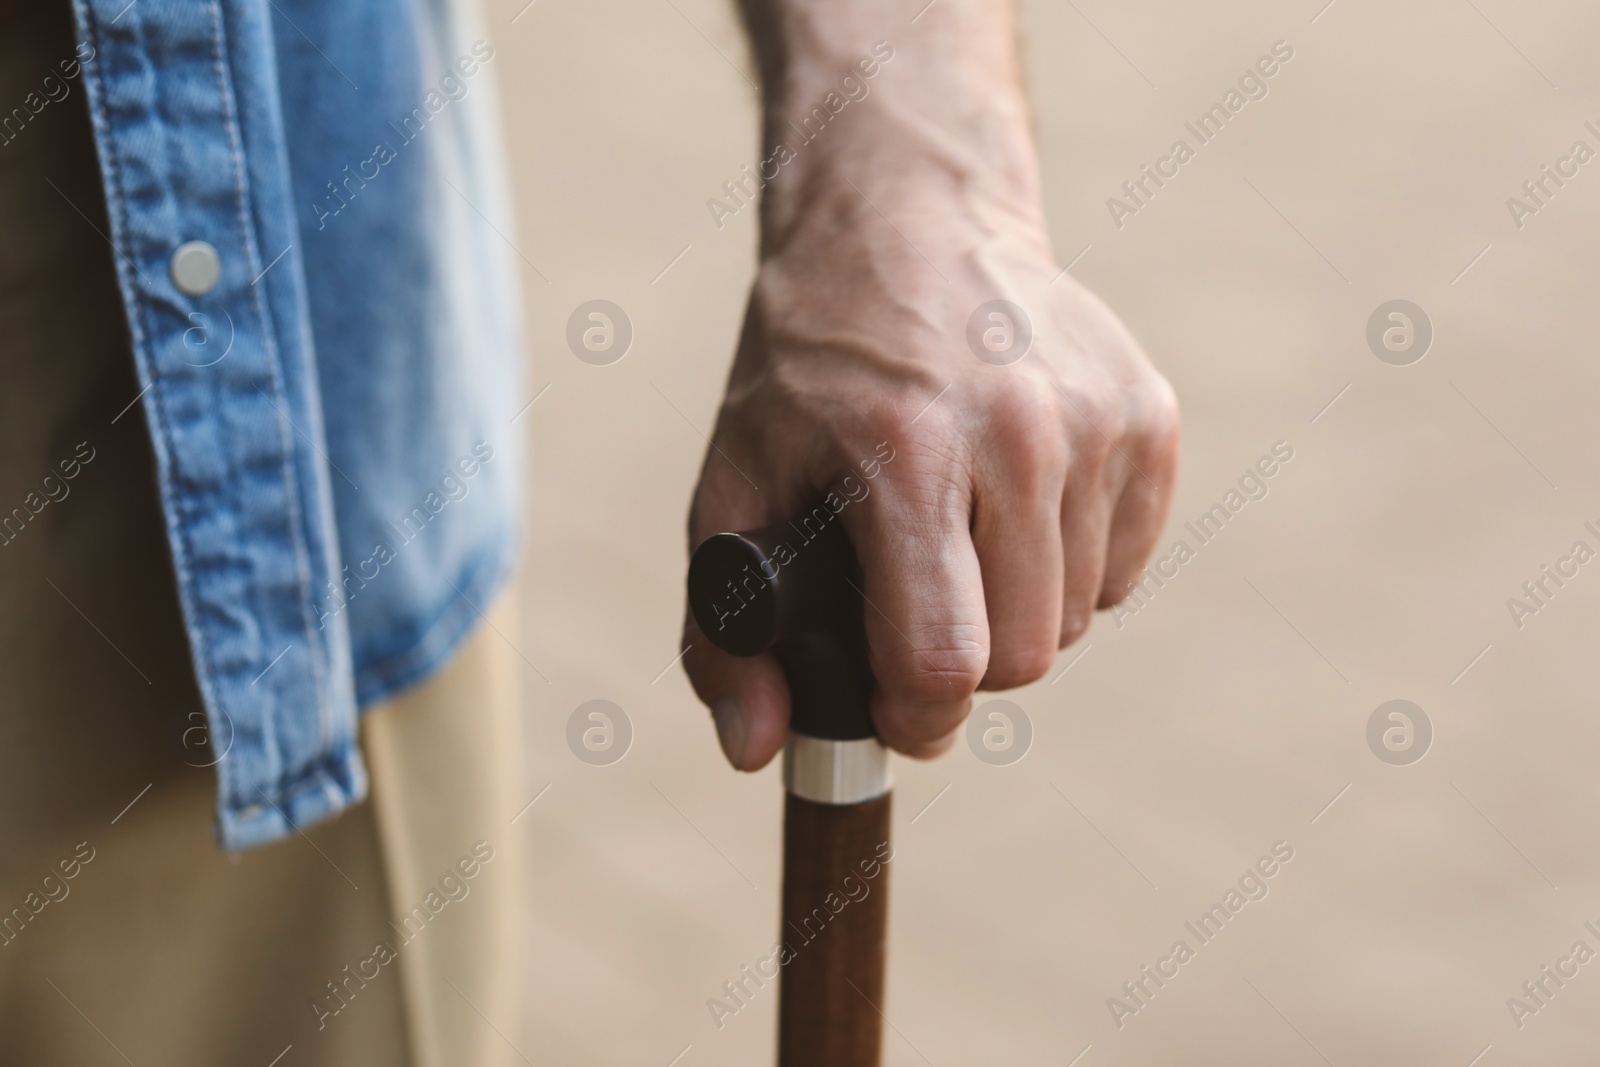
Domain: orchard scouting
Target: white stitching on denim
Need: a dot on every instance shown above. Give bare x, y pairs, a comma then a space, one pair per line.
117, 212
142, 331
302, 551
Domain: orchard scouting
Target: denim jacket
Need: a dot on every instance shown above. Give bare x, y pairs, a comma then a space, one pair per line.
330, 379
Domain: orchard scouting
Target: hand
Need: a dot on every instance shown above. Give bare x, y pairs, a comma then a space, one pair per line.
1020, 496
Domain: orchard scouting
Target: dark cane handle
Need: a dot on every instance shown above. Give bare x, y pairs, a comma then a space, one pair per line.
794, 589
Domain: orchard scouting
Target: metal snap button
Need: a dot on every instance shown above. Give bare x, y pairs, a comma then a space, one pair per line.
195, 268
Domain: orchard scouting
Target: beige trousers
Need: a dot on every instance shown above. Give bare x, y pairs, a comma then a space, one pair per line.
445, 763
165, 950
125, 934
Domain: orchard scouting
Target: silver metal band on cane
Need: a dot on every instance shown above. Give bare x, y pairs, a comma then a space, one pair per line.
836, 772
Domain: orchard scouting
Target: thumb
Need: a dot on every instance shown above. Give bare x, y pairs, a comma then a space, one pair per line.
748, 698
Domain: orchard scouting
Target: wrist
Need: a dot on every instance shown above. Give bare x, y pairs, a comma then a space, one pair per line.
934, 119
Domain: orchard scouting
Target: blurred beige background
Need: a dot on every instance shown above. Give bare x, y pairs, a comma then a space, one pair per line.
1228, 713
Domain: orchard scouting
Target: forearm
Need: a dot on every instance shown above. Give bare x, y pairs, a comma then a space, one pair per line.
914, 116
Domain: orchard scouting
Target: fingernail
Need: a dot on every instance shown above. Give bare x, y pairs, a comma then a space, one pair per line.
732, 728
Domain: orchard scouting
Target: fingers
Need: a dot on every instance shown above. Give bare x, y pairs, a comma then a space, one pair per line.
1085, 532
925, 615
1017, 534
977, 563
1141, 509
1136, 522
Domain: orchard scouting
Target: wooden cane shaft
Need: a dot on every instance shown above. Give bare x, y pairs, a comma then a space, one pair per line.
831, 989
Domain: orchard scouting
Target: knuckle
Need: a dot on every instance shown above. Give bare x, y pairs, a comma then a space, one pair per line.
1158, 417
1028, 405
1114, 593
1026, 423
1020, 665
1074, 623
939, 672
1163, 405
1091, 407
1094, 423
926, 435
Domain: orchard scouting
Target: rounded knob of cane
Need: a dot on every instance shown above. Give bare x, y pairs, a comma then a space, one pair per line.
793, 589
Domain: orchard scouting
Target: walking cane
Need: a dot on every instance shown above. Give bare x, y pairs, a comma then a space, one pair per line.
794, 589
